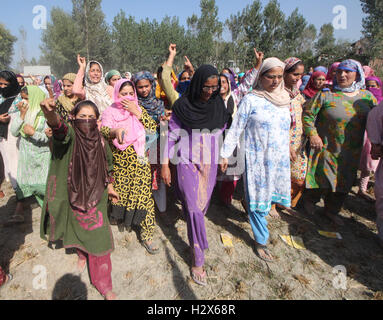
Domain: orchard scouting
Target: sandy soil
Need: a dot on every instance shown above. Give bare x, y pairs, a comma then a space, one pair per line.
235, 273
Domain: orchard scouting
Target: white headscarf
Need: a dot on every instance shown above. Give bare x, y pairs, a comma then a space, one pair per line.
97, 92
279, 96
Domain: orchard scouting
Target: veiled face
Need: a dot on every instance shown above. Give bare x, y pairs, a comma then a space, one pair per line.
86, 113
272, 79
4, 83
126, 91
372, 84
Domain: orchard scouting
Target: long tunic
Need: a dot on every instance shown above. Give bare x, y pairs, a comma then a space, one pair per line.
197, 166
266, 146
34, 157
132, 181
340, 121
299, 166
375, 135
89, 232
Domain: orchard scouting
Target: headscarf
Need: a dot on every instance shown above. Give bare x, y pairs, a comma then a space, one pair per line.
182, 85
97, 92
377, 92
35, 97
233, 83
65, 101
128, 75
329, 77
70, 77
368, 71
154, 106
9, 94
196, 114
229, 101
305, 80
20, 76
56, 88
290, 63
88, 170
111, 74
279, 96
122, 118
310, 89
355, 66
321, 69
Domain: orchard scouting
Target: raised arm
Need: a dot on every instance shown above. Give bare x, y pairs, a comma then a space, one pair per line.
78, 88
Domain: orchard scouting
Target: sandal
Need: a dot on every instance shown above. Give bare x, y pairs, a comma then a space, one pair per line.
8, 279
199, 278
150, 248
267, 252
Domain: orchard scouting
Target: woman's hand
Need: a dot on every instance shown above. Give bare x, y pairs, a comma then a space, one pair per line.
112, 194
188, 66
167, 116
173, 49
5, 118
29, 130
81, 62
259, 56
166, 175
118, 134
224, 164
23, 107
48, 132
293, 155
131, 106
316, 142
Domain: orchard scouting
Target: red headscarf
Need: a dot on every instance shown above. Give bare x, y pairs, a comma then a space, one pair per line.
310, 90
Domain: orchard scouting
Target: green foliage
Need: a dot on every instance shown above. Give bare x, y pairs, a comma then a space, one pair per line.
7, 41
373, 26
130, 45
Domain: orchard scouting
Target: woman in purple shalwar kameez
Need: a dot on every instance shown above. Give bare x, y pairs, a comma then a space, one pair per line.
198, 120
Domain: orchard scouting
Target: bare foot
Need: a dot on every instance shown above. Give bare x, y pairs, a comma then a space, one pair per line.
110, 296
274, 213
264, 253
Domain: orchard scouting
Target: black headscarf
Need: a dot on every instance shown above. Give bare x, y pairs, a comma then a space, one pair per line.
196, 114
9, 94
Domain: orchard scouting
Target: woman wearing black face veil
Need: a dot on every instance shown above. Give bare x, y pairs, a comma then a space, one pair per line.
9, 89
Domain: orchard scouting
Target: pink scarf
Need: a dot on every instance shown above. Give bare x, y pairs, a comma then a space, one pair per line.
116, 116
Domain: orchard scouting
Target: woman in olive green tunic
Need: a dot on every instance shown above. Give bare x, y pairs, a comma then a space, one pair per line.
78, 186
335, 123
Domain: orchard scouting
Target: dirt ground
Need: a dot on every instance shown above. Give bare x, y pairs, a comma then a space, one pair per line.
44, 273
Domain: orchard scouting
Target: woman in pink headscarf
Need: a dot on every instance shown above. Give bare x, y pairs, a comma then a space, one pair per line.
315, 84
367, 164
124, 124
331, 74
368, 71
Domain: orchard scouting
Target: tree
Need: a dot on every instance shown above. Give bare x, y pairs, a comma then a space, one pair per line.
273, 25
293, 33
96, 39
7, 41
61, 42
373, 26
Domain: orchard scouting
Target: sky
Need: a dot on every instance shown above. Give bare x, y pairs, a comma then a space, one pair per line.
15, 14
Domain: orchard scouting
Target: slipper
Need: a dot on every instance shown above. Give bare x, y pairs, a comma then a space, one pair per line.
150, 248
266, 250
9, 279
199, 278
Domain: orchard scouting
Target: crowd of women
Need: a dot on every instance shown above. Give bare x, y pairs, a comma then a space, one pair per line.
83, 146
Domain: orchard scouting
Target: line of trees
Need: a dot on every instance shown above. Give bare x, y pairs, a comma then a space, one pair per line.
130, 45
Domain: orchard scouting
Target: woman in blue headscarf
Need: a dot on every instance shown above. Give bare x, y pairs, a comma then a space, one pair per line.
335, 122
